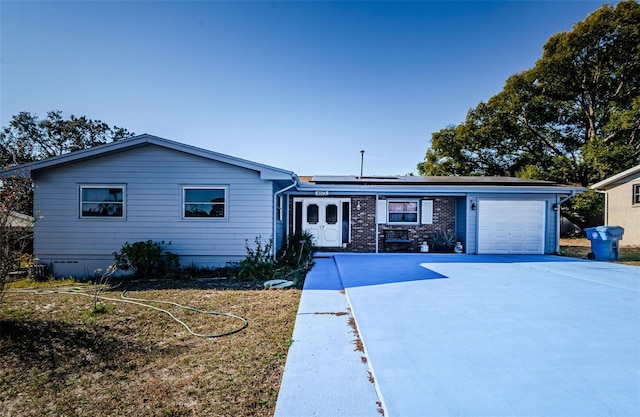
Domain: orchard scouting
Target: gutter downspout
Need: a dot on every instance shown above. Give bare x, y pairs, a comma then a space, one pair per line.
567, 198
284, 218
558, 227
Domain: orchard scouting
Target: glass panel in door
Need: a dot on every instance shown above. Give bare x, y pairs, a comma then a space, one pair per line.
331, 214
312, 213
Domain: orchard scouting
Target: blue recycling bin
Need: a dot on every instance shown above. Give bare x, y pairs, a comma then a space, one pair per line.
604, 242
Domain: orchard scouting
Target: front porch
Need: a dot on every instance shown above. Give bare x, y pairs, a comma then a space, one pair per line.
380, 223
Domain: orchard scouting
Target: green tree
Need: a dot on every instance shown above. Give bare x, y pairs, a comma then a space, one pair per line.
574, 117
28, 139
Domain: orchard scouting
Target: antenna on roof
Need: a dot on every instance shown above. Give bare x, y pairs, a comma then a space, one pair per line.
361, 161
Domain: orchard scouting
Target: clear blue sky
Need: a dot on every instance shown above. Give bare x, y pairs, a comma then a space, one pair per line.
302, 86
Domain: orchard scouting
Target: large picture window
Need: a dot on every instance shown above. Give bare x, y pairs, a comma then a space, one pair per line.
636, 194
102, 201
204, 202
403, 211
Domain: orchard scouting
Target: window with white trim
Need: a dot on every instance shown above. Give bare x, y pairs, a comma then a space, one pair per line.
636, 194
402, 211
204, 202
102, 201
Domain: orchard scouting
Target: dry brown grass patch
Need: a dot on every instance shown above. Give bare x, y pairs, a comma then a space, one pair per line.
359, 346
59, 360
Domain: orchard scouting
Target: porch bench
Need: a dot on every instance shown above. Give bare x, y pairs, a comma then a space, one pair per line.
397, 237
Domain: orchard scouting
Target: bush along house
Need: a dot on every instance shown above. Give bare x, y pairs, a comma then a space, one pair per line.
210, 206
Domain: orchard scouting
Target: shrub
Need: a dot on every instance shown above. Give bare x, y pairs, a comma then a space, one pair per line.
292, 261
146, 259
443, 241
297, 251
259, 263
295, 257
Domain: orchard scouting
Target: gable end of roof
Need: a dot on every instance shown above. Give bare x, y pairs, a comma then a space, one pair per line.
266, 172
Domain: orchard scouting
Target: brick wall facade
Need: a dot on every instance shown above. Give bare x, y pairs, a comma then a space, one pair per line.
363, 224
444, 214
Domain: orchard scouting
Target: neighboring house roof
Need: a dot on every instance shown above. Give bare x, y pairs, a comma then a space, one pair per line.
266, 172
304, 178
443, 184
616, 179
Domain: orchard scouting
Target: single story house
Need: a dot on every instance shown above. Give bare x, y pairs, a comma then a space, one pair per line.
210, 206
622, 203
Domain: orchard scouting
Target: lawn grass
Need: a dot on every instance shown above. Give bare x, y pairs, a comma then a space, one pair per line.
580, 248
60, 356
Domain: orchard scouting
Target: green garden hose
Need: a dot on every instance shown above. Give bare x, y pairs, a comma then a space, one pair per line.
91, 292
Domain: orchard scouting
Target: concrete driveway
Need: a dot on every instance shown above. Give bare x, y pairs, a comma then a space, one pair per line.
464, 335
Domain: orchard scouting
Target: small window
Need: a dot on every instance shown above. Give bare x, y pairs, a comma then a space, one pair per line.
346, 213
279, 202
297, 215
636, 194
102, 201
403, 211
204, 202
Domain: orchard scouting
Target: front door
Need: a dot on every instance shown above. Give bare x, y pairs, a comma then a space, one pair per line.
322, 218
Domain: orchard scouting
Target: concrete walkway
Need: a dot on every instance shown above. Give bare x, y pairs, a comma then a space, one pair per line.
324, 374
463, 335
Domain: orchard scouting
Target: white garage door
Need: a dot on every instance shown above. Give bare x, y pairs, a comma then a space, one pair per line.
511, 226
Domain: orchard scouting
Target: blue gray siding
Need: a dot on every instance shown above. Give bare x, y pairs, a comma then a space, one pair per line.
153, 177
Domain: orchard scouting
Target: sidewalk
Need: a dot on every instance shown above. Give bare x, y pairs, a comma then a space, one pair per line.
324, 375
